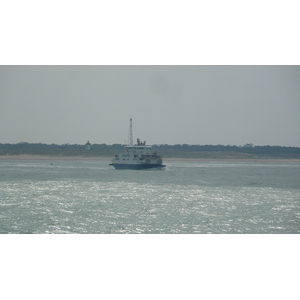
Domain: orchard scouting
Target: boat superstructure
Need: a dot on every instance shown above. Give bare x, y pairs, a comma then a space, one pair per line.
138, 156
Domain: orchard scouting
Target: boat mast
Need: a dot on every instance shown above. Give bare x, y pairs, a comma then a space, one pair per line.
130, 136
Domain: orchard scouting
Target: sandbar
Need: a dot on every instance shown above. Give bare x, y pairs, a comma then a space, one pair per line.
103, 158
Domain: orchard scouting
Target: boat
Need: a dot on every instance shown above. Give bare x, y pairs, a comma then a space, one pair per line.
137, 157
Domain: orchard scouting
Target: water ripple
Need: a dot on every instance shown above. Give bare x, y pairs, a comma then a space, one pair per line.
108, 201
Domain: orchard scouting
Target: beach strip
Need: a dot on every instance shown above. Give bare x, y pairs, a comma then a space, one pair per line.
103, 158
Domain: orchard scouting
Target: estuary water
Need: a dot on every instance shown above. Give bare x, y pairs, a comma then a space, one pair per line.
191, 197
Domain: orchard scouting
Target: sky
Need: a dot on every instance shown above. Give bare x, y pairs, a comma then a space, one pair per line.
228, 105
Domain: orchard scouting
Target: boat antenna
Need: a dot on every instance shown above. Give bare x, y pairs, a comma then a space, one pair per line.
130, 135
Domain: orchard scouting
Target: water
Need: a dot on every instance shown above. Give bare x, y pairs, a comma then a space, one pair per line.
187, 197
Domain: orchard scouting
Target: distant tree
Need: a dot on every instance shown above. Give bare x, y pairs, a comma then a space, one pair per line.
248, 146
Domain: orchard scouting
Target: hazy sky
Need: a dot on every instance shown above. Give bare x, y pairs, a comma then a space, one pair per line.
168, 104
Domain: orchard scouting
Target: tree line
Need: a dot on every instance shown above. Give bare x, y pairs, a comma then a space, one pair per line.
179, 150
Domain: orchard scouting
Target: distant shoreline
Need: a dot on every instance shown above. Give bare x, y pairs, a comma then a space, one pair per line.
47, 157
169, 159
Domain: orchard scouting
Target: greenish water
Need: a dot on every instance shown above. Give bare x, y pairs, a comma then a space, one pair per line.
92, 197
